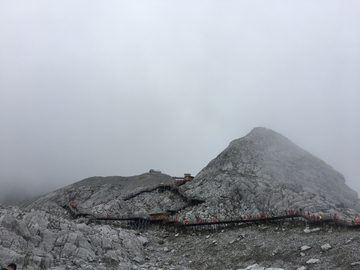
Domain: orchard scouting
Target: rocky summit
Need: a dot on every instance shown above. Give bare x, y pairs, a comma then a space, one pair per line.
264, 171
157, 221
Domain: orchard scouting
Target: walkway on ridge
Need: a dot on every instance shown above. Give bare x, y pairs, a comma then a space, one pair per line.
78, 212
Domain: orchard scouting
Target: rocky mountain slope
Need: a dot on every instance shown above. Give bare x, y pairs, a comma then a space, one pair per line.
262, 171
106, 195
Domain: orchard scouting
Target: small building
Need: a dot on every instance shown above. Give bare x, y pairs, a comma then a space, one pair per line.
159, 216
153, 171
188, 177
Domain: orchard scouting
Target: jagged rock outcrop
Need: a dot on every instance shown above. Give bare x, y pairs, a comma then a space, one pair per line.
57, 243
105, 195
264, 171
38, 240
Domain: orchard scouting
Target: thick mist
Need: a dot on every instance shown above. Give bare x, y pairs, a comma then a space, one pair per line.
91, 88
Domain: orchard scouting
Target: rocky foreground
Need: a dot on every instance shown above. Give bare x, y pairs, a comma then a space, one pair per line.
40, 240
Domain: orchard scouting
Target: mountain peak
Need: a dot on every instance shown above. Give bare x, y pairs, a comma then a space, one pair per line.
265, 170
263, 137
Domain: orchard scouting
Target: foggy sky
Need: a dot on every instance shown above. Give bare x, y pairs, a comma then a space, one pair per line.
100, 88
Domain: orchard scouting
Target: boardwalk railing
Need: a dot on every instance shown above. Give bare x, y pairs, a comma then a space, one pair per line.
161, 187
325, 219
147, 219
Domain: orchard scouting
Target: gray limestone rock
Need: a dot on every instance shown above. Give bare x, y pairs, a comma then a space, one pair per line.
303, 248
143, 240
326, 247
264, 171
312, 261
68, 250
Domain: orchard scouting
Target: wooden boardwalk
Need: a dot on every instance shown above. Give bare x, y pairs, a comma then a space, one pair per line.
148, 220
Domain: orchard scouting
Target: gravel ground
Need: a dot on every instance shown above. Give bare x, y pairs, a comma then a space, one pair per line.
273, 245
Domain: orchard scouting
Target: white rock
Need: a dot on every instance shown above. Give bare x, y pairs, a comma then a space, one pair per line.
82, 227
302, 268
85, 254
326, 247
143, 240
253, 267
138, 260
303, 248
68, 250
315, 230
302, 254
113, 255
312, 261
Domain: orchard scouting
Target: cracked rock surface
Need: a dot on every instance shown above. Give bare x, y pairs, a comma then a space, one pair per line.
263, 172
48, 242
